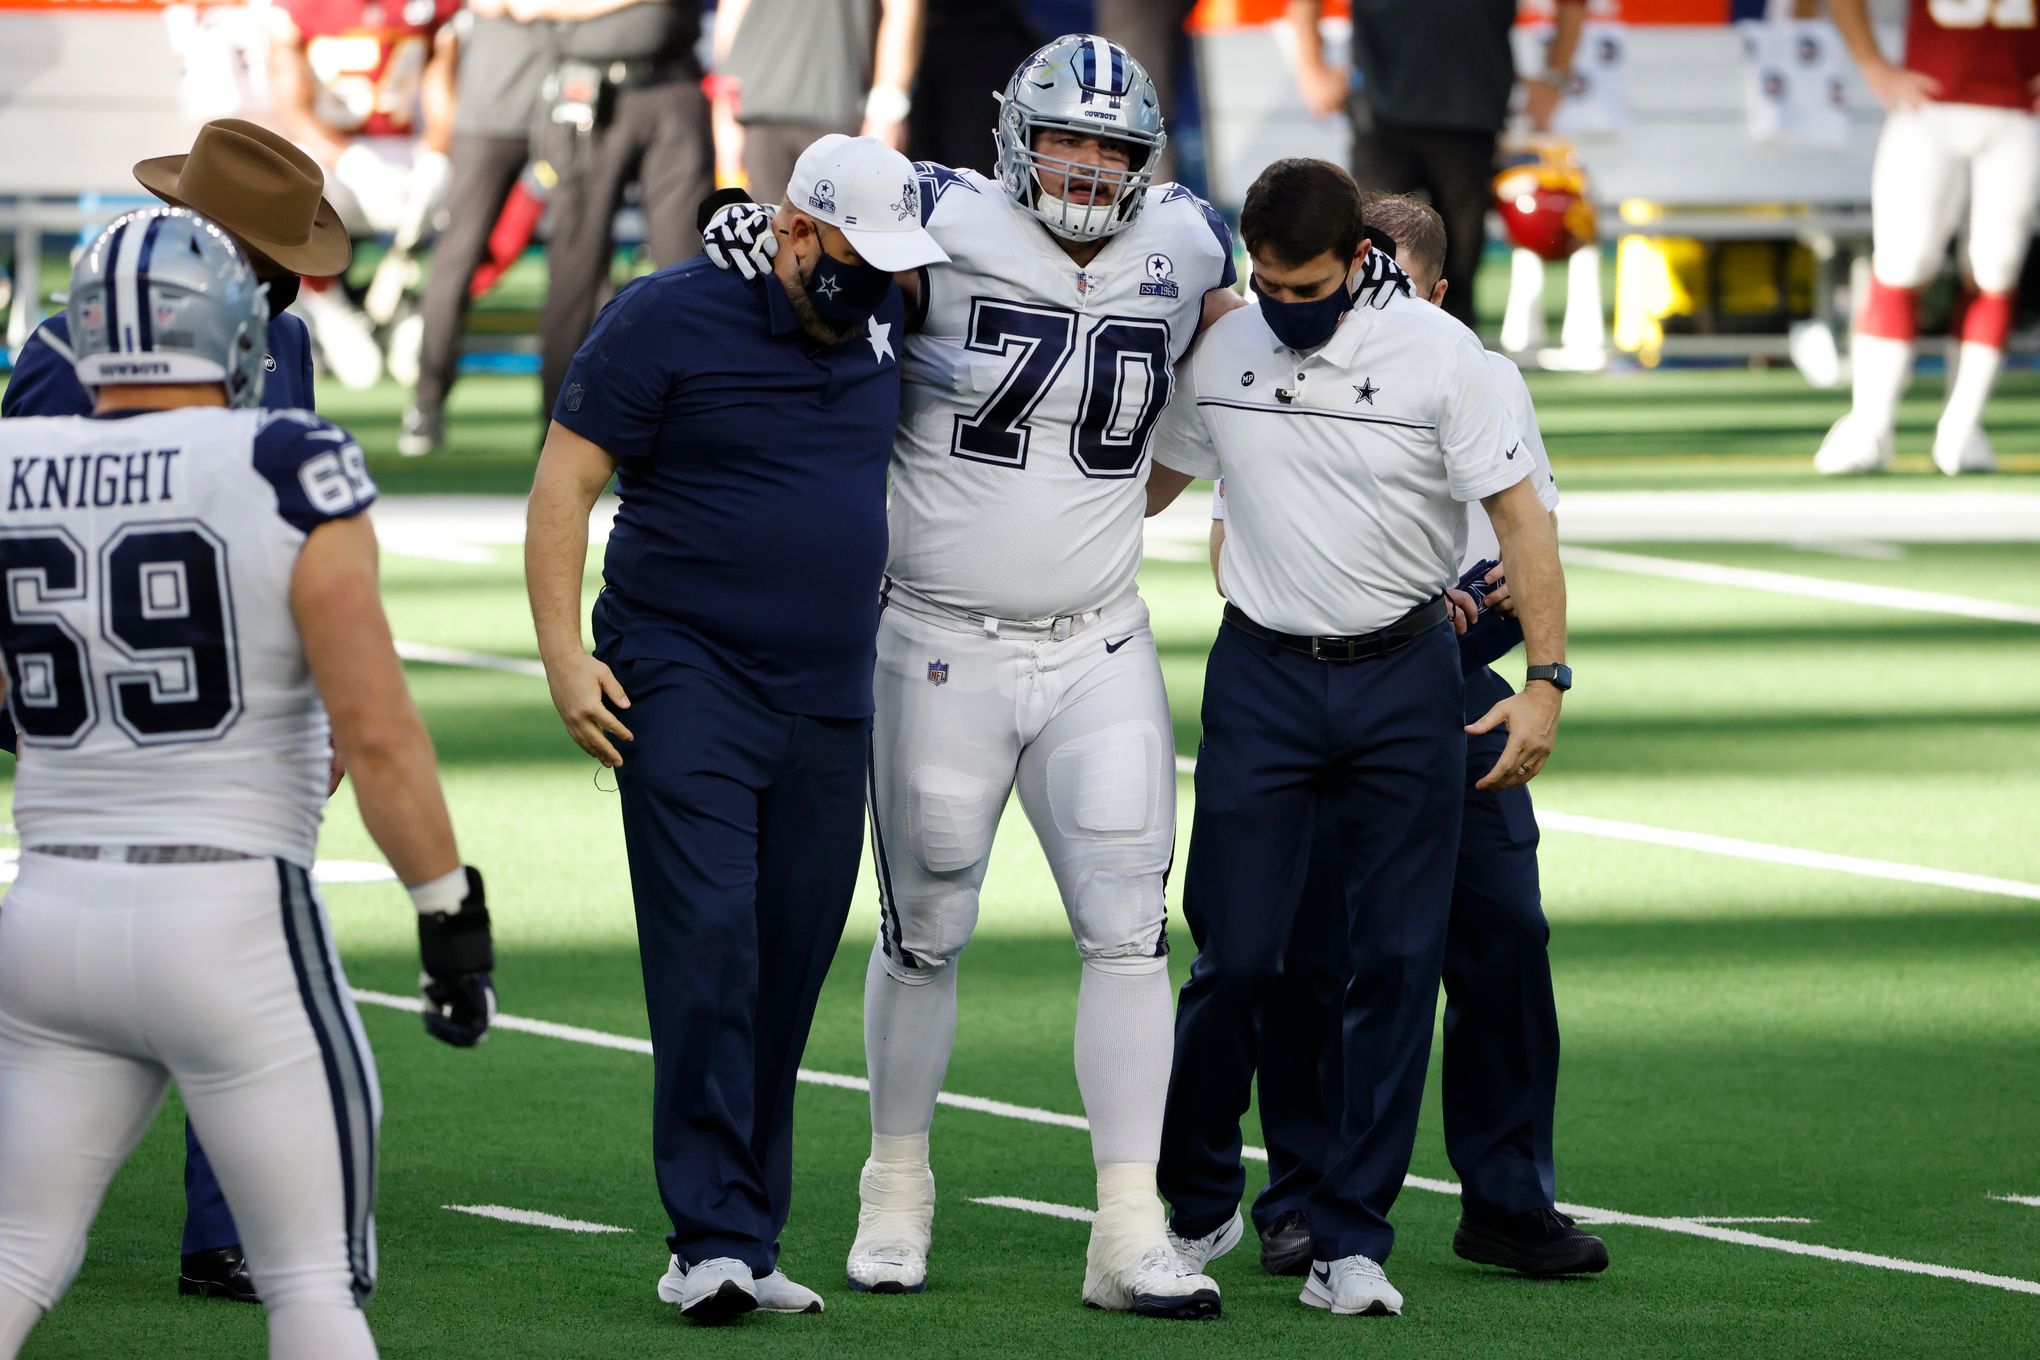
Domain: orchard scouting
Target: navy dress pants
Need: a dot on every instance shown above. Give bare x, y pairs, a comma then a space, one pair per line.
208, 1223
1501, 1023
1381, 742
744, 828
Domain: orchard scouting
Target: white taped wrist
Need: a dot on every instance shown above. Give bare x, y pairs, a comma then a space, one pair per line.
440, 896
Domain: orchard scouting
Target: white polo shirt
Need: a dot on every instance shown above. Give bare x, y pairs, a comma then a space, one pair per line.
1481, 543
1345, 503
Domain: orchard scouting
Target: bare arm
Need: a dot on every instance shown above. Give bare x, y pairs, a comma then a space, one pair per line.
729, 15
1537, 584
1895, 86
898, 56
438, 94
571, 474
1548, 86
292, 85
1217, 302
1322, 85
1163, 486
335, 597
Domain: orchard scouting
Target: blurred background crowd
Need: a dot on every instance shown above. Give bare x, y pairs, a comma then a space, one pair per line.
501, 164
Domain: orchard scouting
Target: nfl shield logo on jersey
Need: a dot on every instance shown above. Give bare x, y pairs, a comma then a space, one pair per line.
938, 672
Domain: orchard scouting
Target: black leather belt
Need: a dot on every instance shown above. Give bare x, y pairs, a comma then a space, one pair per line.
1365, 647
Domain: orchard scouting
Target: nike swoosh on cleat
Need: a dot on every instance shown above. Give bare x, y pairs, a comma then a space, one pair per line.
1321, 1274
1115, 646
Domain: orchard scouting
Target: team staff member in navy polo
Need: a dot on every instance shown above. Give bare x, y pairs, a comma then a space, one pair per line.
269, 195
749, 426
1350, 440
1501, 1021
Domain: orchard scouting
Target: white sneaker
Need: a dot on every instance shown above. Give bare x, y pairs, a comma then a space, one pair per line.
713, 1291
1198, 1252
777, 1294
1351, 1286
346, 342
1956, 454
1131, 1267
1851, 450
895, 1218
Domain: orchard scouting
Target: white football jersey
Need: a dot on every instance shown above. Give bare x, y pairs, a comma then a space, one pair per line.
157, 679
1019, 476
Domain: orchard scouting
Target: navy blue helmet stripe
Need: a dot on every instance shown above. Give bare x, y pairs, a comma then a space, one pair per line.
1118, 69
145, 322
111, 289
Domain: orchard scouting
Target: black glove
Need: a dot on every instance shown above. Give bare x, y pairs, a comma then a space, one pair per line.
737, 234
1381, 278
458, 955
1493, 634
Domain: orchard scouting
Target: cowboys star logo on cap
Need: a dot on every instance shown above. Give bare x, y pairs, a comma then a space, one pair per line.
910, 201
823, 199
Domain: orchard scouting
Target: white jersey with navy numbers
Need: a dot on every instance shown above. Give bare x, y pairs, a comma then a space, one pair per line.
157, 678
1031, 389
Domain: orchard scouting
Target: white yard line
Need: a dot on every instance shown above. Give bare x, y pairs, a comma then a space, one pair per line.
2030, 1201
1037, 1206
1731, 1218
1690, 1227
532, 1218
460, 656
1813, 587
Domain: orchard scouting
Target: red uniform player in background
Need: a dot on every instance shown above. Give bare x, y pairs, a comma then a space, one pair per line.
1961, 129
367, 88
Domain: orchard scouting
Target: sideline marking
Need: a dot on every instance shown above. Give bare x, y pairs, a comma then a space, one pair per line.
1813, 587
1586, 1213
532, 1218
460, 656
1037, 1206
2031, 1201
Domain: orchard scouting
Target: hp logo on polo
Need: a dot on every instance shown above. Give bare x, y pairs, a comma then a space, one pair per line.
823, 199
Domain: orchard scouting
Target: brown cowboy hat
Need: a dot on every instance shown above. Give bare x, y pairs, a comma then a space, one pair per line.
259, 187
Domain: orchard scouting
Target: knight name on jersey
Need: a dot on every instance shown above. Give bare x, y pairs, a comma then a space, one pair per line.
90, 481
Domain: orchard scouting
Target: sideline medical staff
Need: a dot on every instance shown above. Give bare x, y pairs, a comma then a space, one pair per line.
749, 425
1350, 440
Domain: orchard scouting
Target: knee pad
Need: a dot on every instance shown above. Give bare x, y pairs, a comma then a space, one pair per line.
926, 932
1120, 918
1103, 785
950, 819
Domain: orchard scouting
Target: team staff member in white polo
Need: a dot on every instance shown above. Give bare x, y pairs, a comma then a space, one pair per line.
1350, 441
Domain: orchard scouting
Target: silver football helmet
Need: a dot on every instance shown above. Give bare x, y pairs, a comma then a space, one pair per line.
1085, 84
166, 296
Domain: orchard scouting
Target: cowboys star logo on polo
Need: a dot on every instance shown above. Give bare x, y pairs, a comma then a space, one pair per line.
910, 201
938, 672
1364, 390
823, 198
1161, 277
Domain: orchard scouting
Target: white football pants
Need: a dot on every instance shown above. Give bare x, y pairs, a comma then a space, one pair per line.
1075, 713
1926, 159
117, 978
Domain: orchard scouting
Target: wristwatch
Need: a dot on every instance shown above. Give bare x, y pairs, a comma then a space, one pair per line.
1558, 675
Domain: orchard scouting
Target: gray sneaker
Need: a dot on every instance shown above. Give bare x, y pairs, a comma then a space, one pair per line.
424, 432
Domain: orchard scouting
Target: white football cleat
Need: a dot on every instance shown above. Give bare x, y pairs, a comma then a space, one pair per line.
777, 1294
713, 1291
1198, 1252
1132, 1268
1352, 1286
1851, 450
895, 1218
1957, 453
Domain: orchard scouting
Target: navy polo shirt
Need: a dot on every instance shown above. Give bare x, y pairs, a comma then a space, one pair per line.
751, 462
45, 384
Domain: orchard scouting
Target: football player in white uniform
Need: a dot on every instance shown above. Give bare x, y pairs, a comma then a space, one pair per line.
191, 592
1014, 647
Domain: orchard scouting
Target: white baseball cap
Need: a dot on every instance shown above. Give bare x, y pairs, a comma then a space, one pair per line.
869, 192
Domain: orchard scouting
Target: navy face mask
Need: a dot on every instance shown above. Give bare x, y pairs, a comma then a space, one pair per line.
845, 294
1306, 325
